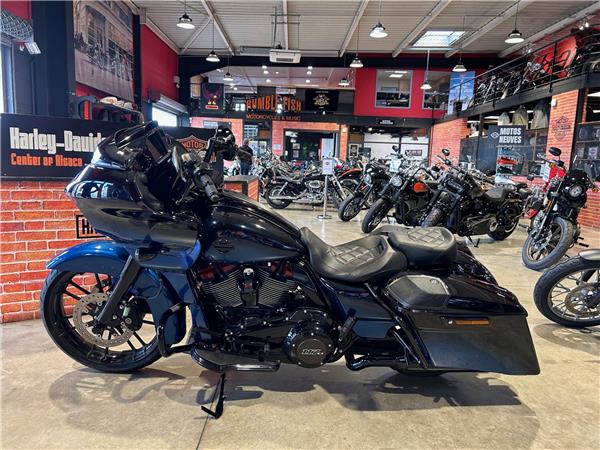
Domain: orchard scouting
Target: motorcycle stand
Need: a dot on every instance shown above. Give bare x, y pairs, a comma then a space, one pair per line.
218, 412
475, 244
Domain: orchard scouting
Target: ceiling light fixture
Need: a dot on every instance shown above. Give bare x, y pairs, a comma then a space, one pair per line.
268, 80
308, 81
344, 82
356, 62
264, 67
309, 72
228, 77
460, 67
515, 36
310, 67
426, 86
185, 21
266, 72
378, 31
212, 56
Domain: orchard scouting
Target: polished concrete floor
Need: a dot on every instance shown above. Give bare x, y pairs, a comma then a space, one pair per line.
49, 401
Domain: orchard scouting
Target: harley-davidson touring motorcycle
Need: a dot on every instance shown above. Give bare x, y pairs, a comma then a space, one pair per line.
259, 290
569, 292
463, 205
554, 228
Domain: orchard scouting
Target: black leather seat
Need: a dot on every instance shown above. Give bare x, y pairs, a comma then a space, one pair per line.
496, 194
424, 247
367, 259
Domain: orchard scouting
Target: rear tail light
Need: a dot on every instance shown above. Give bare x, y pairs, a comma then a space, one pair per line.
419, 187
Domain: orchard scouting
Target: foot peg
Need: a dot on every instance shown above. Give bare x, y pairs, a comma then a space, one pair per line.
218, 412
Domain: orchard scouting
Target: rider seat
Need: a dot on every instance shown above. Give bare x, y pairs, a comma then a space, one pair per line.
424, 247
366, 259
496, 194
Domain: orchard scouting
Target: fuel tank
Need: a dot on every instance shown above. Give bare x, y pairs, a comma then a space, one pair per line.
238, 230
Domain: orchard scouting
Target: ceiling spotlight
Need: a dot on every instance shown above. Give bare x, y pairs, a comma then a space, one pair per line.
344, 82
268, 80
227, 77
213, 57
235, 88
266, 72
264, 67
396, 75
276, 72
378, 31
310, 67
185, 22
309, 72
460, 67
356, 63
308, 81
586, 24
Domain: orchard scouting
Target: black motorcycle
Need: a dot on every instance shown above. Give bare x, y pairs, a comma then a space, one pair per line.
408, 193
375, 176
569, 293
260, 291
306, 188
463, 206
554, 228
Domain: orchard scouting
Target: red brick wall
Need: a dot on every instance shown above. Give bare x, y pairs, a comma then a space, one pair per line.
237, 125
37, 222
563, 118
448, 135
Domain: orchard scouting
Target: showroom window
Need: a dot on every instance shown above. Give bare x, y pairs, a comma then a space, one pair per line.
164, 118
437, 96
6, 79
393, 88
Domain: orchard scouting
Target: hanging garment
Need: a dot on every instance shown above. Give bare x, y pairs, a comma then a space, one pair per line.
504, 119
541, 113
520, 117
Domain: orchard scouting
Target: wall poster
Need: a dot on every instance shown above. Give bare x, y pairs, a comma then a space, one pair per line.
104, 46
462, 87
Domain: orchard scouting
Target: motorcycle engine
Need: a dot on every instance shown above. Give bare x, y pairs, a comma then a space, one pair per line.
308, 344
315, 184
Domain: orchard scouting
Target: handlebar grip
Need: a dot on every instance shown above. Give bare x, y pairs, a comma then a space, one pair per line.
209, 187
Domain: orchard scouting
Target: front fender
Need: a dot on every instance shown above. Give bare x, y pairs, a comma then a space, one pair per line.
108, 257
591, 255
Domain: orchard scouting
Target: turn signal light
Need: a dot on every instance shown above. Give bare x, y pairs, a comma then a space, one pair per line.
470, 321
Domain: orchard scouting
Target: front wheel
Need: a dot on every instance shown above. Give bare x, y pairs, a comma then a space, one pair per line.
350, 207
569, 293
275, 191
338, 197
375, 215
434, 218
70, 303
549, 246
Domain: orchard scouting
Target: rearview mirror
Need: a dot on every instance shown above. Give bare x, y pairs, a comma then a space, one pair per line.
555, 151
395, 148
531, 176
445, 152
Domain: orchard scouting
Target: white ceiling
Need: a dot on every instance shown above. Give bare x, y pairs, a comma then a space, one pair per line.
320, 28
247, 78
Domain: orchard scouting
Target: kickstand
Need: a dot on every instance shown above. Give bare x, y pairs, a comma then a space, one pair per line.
475, 244
218, 412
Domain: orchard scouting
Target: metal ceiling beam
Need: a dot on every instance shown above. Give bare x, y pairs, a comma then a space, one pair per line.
145, 20
193, 37
424, 23
499, 19
286, 28
211, 13
357, 16
552, 28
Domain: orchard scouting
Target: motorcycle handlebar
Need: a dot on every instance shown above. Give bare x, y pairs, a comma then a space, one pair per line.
205, 182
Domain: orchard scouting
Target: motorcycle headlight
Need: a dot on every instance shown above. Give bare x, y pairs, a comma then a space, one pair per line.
368, 179
396, 181
575, 191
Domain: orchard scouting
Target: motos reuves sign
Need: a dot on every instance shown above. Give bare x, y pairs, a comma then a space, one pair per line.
56, 147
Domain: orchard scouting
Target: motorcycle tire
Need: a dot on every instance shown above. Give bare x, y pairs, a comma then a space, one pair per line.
338, 199
276, 204
501, 233
350, 207
68, 339
543, 290
375, 215
433, 219
567, 233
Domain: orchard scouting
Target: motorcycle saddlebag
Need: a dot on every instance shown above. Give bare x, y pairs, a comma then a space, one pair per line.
466, 324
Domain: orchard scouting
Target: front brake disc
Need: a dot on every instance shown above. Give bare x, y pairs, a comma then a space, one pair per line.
88, 306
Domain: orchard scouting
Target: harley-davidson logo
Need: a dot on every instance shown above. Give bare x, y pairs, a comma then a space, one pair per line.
560, 127
321, 100
192, 143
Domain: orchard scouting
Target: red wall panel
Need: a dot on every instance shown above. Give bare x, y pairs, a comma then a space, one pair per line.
159, 65
20, 8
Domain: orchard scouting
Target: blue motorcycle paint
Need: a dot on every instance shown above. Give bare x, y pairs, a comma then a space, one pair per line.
108, 257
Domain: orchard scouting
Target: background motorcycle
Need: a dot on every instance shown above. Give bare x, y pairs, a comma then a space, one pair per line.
260, 291
554, 228
462, 205
408, 192
375, 176
307, 188
569, 293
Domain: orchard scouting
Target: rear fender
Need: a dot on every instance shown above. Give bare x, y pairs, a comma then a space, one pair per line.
591, 255
108, 257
